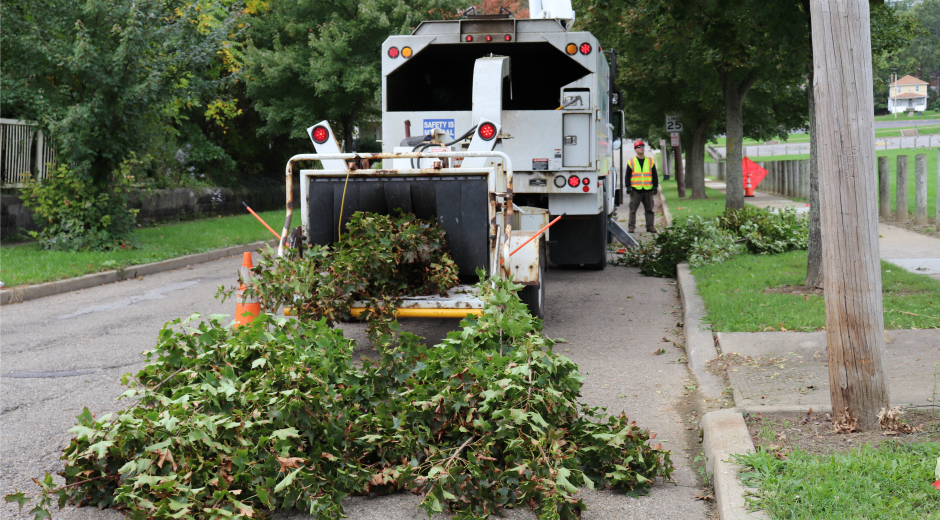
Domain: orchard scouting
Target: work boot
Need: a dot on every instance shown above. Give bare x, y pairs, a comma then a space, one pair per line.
631, 230
651, 231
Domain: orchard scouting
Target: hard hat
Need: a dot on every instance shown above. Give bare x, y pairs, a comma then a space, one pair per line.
638, 143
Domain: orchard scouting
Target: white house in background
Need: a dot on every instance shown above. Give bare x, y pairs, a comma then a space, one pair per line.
907, 93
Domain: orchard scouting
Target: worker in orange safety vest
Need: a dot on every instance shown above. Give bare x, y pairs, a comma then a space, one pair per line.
644, 182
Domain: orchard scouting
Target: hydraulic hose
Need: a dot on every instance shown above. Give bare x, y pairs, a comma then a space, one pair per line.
423, 145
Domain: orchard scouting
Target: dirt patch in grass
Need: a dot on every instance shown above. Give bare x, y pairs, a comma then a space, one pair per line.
798, 290
813, 433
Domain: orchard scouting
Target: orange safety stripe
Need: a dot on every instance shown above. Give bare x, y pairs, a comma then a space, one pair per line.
642, 178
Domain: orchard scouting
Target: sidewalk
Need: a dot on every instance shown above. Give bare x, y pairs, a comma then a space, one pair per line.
919, 254
789, 370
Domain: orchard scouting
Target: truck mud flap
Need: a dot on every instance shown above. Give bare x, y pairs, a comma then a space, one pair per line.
620, 234
578, 239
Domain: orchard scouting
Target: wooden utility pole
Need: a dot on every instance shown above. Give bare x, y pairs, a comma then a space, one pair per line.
680, 170
842, 83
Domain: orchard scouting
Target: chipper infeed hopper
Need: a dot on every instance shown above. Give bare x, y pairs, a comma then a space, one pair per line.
472, 204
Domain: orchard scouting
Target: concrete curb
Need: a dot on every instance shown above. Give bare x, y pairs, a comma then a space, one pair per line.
725, 434
662, 202
795, 410
699, 342
31, 292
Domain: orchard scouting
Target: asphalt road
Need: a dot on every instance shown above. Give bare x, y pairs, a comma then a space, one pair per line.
66, 352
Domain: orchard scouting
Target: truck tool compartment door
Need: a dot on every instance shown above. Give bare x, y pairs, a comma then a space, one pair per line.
576, 131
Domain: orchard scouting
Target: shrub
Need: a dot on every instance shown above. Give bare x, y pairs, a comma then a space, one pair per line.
702, 242
79, 216
764, 232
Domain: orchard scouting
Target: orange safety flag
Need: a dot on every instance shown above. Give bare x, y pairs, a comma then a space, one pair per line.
753, 169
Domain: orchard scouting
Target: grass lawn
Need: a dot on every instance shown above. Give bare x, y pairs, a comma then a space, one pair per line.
682, 209
928, 114
28, 264
896, 132
891, 481
736, 301
892, 165
792, 138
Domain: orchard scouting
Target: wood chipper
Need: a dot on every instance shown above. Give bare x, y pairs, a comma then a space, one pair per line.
515, 130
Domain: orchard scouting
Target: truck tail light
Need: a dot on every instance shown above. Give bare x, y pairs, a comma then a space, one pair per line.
586, 181
508, 37
571, 49
560, 181
469, 38
487, 131
585, 48
489, 38
321, 134
573, 181
393, 52
587, 189
406, 52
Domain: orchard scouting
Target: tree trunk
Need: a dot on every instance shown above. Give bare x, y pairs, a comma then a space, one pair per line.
814, 270
854, 312
680, 170
696, 158
734, 93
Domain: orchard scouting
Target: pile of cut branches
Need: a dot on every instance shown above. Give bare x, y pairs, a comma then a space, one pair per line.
380, 259
275, 415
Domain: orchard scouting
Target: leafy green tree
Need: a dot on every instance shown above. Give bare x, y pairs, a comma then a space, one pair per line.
310, 61
664, 75
103, 79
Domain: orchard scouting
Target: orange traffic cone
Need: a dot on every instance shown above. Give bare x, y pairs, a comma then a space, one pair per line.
748, 189
246, 308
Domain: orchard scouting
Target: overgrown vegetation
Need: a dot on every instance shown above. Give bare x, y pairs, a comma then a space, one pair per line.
379, 259
889, 481
275, 415
702, 242
78, 215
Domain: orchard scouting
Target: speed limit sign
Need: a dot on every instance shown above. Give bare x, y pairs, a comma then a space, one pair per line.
674, 139
673, 124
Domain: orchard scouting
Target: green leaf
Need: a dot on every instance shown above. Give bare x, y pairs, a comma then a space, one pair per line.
288, 480
285, 433
18, 497
40, 514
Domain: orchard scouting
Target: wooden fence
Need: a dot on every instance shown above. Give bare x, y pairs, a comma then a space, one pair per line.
23, 151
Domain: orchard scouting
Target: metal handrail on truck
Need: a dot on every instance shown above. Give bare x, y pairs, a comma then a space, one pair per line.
459, 300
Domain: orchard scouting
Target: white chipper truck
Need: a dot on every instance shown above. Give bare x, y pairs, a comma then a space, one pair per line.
494, 126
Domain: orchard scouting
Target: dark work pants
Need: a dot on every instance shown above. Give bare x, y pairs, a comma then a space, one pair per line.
646, 198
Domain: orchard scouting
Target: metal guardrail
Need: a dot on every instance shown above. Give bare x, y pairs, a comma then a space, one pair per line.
24, 152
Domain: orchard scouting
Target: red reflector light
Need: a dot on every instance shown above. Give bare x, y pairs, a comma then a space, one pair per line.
487, 131
587, 189
320, 134
393, 52
586, 181
573, 181
585, 48
489, 38
469, 38
508, 38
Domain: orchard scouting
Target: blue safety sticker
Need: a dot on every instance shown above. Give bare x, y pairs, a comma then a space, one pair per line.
447, 125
